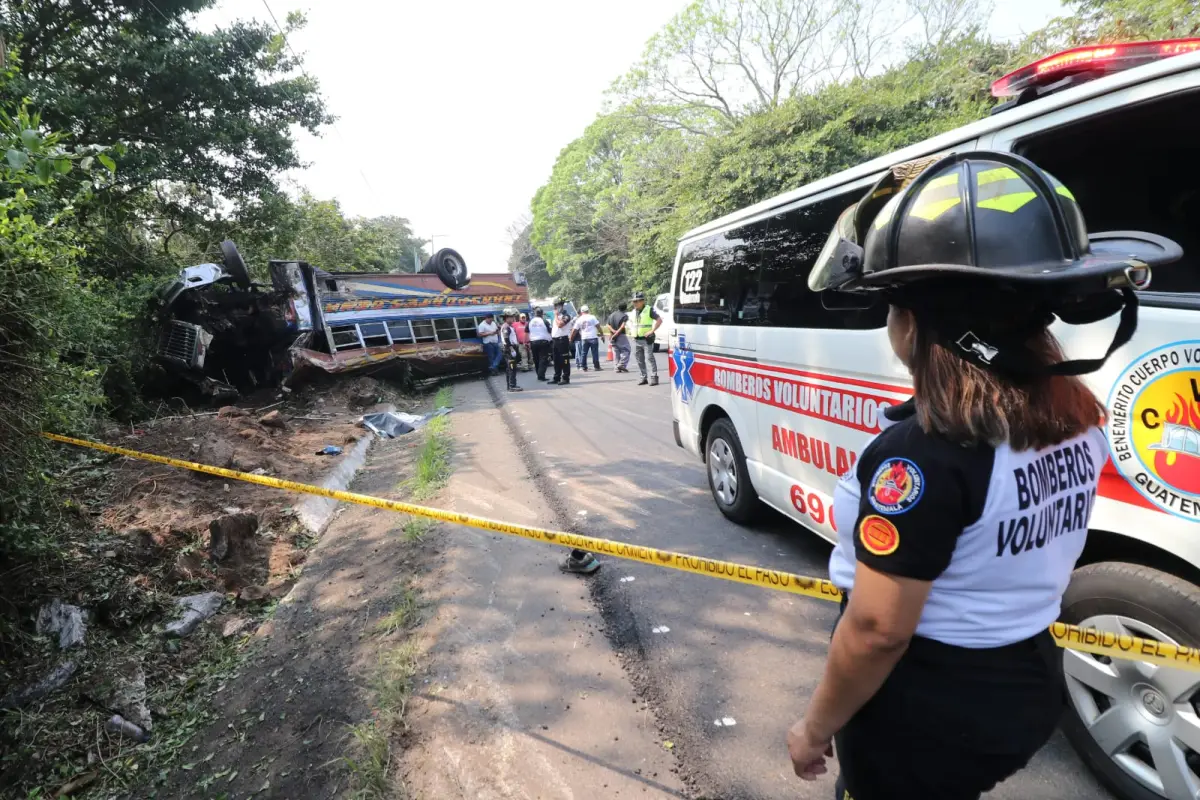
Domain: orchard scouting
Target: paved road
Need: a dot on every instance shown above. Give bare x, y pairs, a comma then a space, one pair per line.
731, 651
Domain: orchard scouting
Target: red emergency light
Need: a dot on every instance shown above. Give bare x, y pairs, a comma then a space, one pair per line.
1095, 58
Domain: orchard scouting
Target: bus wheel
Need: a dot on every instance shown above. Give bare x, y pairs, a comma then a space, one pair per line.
727, 477
1135, 724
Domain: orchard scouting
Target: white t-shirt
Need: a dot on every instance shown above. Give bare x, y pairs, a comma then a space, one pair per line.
488, 331
997, 532
587, 326
560, 330
539, 331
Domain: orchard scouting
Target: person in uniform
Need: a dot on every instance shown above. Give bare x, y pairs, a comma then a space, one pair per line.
560, 344
510, 345
960, 524
642, 325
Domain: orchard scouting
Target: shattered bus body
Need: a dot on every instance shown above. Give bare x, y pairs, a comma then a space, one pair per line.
224, 334
349, 320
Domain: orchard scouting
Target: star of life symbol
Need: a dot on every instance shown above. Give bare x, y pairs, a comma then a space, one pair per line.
684, 359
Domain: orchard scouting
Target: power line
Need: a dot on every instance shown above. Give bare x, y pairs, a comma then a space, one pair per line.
304, 72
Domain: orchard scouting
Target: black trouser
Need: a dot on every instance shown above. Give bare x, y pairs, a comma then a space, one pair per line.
561, 351
511, 368
541, 356
950, 723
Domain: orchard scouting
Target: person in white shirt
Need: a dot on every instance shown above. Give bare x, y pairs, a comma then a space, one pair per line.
560, 345
539, 342
589, 334
489, 334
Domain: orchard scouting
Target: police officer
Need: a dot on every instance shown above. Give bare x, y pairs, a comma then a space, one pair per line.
960, 525
642, 325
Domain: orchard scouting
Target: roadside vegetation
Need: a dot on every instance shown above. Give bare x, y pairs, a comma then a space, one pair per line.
105, 193
433, 461
734, 101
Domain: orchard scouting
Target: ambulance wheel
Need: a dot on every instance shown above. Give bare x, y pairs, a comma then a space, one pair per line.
1134, 724
727, 476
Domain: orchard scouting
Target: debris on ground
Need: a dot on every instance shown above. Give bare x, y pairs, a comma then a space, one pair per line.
391, 424
65, 621
330, 450
231, 533
273, 419
123, 727
120, 687
56, 679
196, 608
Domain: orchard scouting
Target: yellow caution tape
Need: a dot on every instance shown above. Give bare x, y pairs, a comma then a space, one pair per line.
1072, 637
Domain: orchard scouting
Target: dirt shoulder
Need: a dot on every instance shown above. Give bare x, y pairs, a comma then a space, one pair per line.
283, 724
522, 696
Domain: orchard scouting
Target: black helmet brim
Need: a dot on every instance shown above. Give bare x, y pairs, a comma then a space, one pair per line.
1119, 258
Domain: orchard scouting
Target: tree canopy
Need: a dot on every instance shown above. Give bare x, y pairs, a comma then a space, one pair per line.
734, 101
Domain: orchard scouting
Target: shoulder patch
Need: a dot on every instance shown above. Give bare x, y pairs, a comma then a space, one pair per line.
896, 486
878, 535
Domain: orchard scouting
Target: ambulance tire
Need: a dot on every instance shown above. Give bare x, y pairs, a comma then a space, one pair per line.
1156, 599
745, 507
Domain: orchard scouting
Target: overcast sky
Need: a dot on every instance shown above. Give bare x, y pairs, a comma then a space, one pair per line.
452, 112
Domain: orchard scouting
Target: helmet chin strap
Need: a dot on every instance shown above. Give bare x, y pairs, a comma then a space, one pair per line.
1008, 356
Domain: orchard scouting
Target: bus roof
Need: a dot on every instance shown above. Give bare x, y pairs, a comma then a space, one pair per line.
974, 130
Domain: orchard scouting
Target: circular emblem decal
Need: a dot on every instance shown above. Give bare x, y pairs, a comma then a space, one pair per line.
896, 486
878, 535
1154, 427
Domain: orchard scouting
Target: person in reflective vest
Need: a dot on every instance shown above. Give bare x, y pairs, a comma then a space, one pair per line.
643, 322
952, 556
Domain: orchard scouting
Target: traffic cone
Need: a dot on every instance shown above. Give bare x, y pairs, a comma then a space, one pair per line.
609, 357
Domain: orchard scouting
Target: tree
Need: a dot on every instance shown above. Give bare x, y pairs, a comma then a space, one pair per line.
525, 258
207, 118
718, 61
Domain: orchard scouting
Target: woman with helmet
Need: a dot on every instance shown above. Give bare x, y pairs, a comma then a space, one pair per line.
961, 523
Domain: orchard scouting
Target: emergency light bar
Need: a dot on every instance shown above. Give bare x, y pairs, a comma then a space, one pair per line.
1096, 58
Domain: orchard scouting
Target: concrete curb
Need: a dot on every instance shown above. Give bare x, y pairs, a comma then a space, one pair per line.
313, 512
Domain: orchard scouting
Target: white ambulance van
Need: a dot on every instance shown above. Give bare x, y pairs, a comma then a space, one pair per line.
778, 393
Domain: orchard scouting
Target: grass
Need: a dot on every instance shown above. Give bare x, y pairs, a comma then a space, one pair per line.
416, 528
432, 467
370, 761
402, 616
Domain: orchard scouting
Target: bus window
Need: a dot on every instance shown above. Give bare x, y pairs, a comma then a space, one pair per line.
467, 328
445, 330
374, 334
423, 330
400, 331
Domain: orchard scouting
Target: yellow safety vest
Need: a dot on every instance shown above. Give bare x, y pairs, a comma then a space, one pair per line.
640, 323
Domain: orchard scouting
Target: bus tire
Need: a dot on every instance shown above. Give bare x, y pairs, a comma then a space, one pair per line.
450, 268
728, 479
1148, 603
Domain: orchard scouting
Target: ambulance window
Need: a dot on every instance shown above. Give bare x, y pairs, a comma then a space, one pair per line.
790, 245
1136, 169
718, 278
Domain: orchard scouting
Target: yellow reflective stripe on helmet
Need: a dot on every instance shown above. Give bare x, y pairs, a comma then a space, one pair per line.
937, 197
945, 180
933, 210
1007, 202
885, 213
997, 174
1064, 191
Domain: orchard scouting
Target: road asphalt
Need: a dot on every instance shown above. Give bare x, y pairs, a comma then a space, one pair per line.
727, 668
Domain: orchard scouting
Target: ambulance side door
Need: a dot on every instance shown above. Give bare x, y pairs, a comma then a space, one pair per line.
831, 368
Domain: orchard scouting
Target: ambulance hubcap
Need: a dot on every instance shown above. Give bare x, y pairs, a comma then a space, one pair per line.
1141, 715
722, 469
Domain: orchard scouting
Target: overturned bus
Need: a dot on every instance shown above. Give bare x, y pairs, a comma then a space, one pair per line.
224, 334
